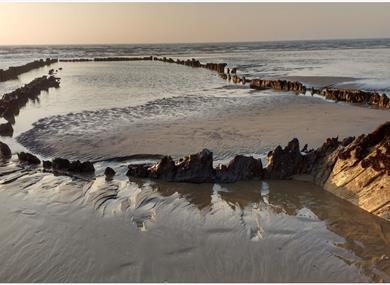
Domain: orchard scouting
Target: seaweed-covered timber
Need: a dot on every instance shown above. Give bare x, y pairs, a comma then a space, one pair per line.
10, 103
281, 85
219, 67
355, 169
354, 96
14, 71
347, 95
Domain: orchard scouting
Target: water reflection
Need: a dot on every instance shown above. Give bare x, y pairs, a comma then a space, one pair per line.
312, 234
365, 235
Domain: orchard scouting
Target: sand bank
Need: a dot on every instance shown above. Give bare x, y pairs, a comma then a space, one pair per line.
242, 130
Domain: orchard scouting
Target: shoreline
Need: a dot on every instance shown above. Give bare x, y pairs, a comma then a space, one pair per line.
220, 68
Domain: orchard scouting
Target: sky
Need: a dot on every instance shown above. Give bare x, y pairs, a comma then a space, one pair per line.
110, 23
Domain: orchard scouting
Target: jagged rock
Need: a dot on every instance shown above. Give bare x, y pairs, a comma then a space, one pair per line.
319, 163
138, 170
361, 172
5, 151
47, 164
87, 167
284, 163
75, 166
61, 164
72, 166
6, 130
196, 168
165, 169
109, 173
240, 168
28, 158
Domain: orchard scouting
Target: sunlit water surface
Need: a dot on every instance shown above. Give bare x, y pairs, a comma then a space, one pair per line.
58, 228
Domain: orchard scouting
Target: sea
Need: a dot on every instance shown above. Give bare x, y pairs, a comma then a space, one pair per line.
56, 228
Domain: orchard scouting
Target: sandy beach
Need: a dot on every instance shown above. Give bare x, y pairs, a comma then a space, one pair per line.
254, 129
63, 222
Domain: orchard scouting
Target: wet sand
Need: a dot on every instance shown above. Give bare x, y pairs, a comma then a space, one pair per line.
245, 129
61, 229
322, 81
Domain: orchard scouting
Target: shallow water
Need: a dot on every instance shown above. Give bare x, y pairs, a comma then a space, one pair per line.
62, 229
59, 228
366, 61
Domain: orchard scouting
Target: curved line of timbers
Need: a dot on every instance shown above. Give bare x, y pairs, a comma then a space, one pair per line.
336, 94
347, 95
366, 158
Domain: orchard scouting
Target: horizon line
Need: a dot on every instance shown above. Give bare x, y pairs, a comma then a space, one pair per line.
198, 42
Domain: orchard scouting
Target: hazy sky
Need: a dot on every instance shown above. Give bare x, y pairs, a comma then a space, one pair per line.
72, 23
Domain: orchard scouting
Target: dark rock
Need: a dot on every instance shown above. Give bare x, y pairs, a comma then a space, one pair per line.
347, 141
196, 168
61, 164
109, 172
5, 151
6, 130
165, 169
73, 166
87, 167
320, 162
284, 163
28, 158
240, 168
47, 164
138, 170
